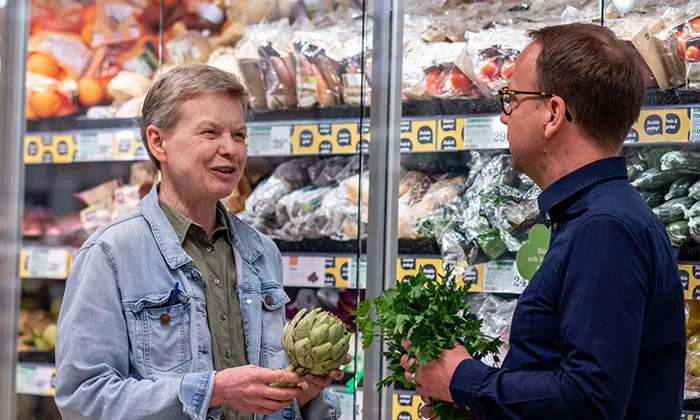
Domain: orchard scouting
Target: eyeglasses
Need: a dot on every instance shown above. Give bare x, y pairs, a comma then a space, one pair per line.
506, 97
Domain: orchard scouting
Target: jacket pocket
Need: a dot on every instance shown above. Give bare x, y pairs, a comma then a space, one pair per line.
161, 333
273, 300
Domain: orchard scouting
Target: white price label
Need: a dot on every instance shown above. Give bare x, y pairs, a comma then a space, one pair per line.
48, 263
269, 140
304, 271
35, 379
694, 125
503, 277
485, 133
95, 147
352, 274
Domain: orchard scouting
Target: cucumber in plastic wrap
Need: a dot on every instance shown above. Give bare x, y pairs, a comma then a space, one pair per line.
680, 187
694, 211
681, 160
694, 190
674, 210
653, 155
491, 243
694, 228
655, 179
636, 165
679, 233
654, 198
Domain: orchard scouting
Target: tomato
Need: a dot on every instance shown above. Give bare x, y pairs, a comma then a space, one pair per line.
434, 82
457, 82
680, 44
507, 69
692, 53
488, 69
695, 25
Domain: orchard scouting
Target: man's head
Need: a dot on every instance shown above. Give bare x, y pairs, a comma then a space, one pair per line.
193, 128
593, 89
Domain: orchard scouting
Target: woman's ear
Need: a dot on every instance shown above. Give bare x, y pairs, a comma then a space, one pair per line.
155, 138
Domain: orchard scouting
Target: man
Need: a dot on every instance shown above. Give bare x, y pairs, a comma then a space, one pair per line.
599, 331
176, 310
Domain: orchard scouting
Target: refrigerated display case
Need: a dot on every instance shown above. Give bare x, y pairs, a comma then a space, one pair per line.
375, 149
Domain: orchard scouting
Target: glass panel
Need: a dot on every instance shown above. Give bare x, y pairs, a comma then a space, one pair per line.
306, 67
666, 34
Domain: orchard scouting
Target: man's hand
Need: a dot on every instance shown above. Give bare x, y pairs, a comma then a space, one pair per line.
433, 381
248, 388
314, 385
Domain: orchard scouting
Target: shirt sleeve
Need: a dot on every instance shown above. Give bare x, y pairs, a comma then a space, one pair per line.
602, 304
92, 357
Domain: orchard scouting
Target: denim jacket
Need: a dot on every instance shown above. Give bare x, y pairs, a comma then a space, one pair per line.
115, 357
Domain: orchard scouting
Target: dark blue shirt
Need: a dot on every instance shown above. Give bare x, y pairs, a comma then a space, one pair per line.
599, 333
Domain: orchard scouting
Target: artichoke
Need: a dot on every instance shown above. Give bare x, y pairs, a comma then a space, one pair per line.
315, 343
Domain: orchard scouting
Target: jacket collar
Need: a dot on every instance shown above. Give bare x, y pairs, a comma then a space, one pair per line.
244, 239
571, 184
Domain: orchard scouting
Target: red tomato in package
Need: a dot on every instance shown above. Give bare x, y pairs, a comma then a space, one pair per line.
434, 82
65, 20
488, 69
507, 69
692, 53
680, 44
695, 25
456, 82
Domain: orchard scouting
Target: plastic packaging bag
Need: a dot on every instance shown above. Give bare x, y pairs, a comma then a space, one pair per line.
318, 79
288, 177
296, 210
279, 72
494, 52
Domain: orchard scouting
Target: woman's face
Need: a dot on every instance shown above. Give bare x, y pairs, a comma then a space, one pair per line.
206, 152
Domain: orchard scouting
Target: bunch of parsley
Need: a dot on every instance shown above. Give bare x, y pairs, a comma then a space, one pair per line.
433, 316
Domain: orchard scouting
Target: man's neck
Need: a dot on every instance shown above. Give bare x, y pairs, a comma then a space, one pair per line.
560, 162
202, 213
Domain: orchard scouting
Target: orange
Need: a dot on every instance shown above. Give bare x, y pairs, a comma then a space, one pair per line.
29, 112
45, 103
86, 33
43, 64
90, 91
89, 14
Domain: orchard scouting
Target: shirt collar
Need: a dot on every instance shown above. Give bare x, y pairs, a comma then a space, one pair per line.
578, 180
184, 225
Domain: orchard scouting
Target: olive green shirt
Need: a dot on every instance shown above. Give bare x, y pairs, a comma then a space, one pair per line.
213, 257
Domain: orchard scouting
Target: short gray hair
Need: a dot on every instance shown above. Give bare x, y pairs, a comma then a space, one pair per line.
161, 107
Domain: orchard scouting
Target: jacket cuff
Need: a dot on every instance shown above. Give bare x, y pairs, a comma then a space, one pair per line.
467, 382
196, 390
324, 407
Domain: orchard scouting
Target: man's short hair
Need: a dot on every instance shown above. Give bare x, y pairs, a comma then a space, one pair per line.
599, 76
162, 105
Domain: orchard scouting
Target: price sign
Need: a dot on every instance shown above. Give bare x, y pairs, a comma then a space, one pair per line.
694, 125
485, 133
304, 271
95, 147
269, 140
48, 263
352, 279
503, 277
35, 379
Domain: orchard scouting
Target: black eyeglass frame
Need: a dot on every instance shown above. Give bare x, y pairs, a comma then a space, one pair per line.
502, 92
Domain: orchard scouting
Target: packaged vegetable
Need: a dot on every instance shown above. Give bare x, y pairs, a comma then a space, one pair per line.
67, 49
681, 187
128, 85
679, 233
674, 210
654, 198
117, 22
493, 52
680, 160
46, 97
655, 179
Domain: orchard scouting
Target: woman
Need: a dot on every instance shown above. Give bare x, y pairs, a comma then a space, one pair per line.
176, 310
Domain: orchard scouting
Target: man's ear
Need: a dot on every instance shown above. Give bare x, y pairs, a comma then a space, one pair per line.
556, 108
155, 138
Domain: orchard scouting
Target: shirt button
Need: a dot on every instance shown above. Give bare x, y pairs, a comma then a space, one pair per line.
227, 354
209, 249
223, 317
217, 281
164, 318
248, 301
269, 300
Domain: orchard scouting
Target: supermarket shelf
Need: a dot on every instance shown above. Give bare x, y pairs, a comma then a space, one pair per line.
427, 126
40, 357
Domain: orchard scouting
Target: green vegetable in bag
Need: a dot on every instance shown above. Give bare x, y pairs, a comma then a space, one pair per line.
653, 155
694, 211
674, 210
654, 198
654, 179
679, 160
678, 233
694, 228
694, 190
681, 187
491, 243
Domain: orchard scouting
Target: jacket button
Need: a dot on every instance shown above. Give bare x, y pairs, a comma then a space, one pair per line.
164, 318
269, 300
